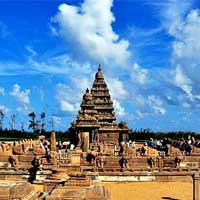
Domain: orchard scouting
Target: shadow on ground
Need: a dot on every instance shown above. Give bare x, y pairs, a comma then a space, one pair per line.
169, 198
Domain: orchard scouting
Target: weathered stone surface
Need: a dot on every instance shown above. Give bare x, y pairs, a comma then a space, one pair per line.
16, 190
75, 159
53, 141
79, 188
25, 158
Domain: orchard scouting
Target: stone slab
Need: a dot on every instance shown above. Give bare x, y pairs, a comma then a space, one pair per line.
126, 178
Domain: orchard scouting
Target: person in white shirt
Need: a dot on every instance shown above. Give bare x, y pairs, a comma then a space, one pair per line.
133, 144
71, 146
42, 145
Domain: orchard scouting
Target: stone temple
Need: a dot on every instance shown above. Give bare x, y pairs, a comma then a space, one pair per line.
96, 120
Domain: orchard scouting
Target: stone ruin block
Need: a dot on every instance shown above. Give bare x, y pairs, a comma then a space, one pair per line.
75, 159
4, 158
93, 192
85, 181
13, 190
25, 158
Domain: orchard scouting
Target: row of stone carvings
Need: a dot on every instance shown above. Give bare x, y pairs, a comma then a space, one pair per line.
22, 147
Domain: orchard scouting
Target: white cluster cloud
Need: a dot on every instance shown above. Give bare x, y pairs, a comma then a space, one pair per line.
139, 75
67, 98
88, 30
68, 107
120, 111
171, 10
117, 89
118, 93
156, 104
20, 95
186, 59
183, 82
81, 83
187, 35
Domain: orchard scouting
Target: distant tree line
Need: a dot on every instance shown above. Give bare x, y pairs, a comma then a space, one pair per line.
38, 127
146, 134
10, 135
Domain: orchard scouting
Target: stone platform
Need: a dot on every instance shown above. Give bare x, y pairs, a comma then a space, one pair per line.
78, 187
18, 190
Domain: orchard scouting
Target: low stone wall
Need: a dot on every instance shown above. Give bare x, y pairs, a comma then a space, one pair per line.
14, 175
173, 178
126, 178
145, 177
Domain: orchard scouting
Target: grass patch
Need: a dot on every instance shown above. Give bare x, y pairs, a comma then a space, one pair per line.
9, 139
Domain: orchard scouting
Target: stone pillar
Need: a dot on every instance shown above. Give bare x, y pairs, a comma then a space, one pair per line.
86, 141
53, 141
196, 179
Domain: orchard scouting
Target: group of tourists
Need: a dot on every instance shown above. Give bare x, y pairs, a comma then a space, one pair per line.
160, 145
184, 145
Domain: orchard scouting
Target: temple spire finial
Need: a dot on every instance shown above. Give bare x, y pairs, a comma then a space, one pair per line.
87, 90
99, 68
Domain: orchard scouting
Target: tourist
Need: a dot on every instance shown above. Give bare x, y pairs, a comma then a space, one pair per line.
42, 144
72, 147
125, 161
59, 146
115, 149
193, 140
177, 161
127, 144
151, 162
133, 144
189, 140
121, 151
158, 144
143, 150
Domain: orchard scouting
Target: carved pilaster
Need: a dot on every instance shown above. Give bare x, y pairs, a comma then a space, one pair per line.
196, 179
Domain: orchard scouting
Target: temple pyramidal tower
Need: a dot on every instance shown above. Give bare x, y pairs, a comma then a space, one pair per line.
96, 120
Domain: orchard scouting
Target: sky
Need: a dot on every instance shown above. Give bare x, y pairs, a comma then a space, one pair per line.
149, 52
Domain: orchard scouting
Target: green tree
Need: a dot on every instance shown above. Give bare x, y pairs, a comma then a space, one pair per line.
32, 123
42, 116
1, 119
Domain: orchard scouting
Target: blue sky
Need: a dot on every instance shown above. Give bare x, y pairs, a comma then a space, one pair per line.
149, 52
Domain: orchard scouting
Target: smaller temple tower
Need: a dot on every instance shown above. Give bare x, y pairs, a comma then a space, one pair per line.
96, 120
